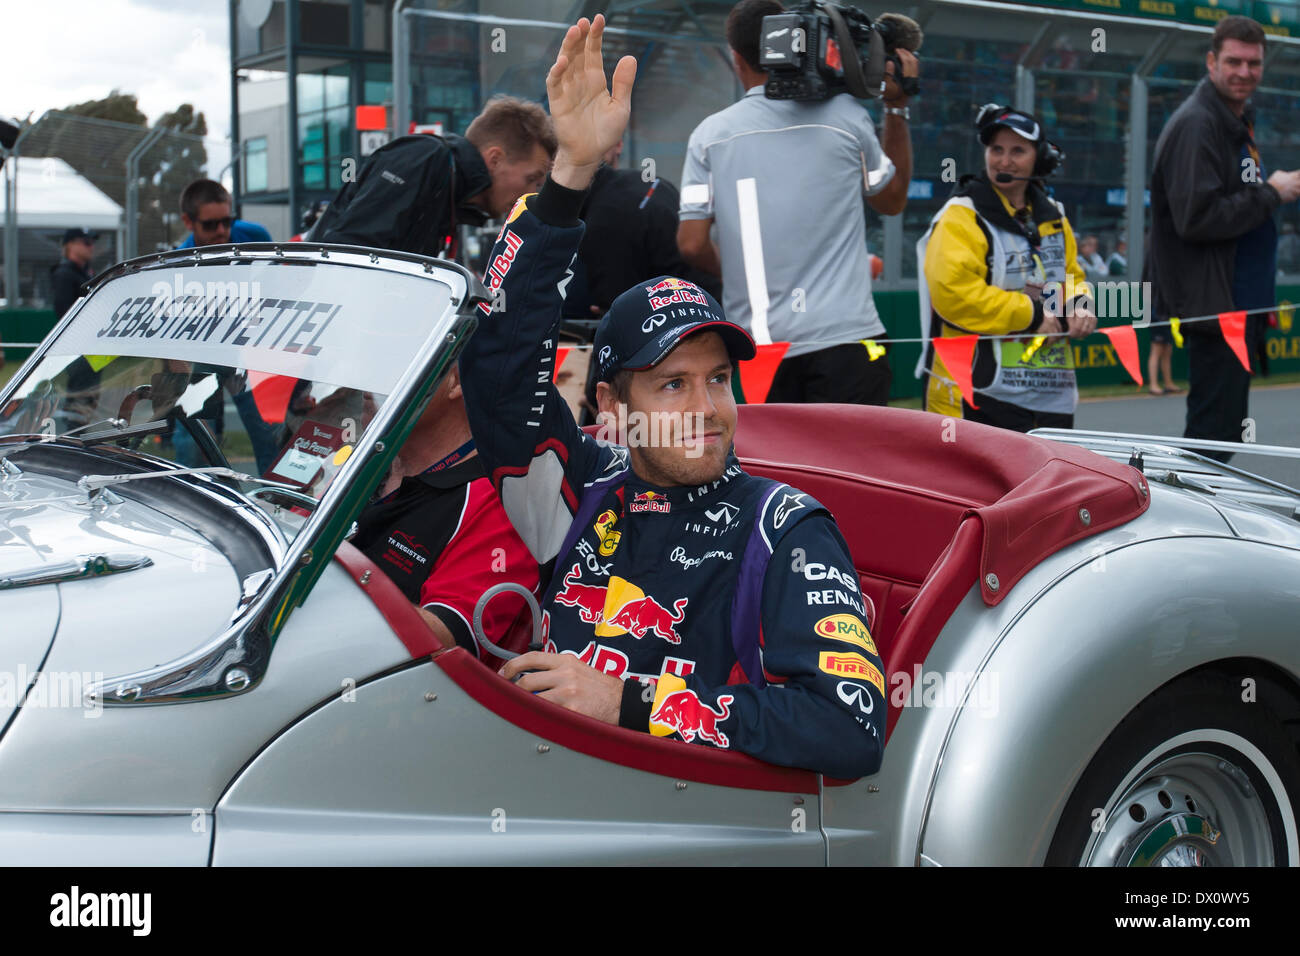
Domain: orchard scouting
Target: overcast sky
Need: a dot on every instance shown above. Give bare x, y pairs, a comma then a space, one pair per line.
59, 52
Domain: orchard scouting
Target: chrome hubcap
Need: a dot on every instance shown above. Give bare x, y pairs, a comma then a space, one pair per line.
1190, 809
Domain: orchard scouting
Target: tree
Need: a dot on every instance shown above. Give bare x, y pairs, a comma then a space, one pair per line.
96, 137
117, 106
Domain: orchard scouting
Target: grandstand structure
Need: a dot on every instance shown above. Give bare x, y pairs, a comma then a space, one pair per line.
1103, 75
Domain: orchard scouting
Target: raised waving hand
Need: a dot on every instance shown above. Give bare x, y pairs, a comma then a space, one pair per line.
589, 116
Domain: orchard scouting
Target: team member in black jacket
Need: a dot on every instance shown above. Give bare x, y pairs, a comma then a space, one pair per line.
1213, 240
73, 270
412, 193
709, 603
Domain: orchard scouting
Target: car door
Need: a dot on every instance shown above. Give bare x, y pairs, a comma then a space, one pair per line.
442, 761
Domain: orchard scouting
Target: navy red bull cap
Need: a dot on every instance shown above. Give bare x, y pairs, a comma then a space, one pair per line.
650, 319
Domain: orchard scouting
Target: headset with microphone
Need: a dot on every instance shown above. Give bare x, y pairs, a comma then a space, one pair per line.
1048, 156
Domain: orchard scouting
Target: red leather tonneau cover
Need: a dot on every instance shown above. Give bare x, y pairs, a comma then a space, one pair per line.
1031, 496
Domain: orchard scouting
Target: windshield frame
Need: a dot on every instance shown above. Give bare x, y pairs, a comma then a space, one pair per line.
235, 660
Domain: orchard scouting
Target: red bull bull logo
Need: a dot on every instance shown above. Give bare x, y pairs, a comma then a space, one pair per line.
641, 616
651, 501
620, 607
685, 713
589, 599
669, 284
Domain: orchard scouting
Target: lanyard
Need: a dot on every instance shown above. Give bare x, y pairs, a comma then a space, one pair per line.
1253, 149
451, 459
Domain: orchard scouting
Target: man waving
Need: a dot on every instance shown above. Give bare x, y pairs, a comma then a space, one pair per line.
687, 596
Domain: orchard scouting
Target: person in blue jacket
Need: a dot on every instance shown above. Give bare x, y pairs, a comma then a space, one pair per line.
686, 596
205, 210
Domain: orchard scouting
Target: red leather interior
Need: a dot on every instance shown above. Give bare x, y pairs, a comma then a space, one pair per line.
929, 507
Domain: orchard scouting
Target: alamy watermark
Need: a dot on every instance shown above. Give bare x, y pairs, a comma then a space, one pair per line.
637, 429
51, 689
975, 690
1107, 300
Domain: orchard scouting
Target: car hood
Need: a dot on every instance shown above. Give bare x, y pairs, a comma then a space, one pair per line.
122, 583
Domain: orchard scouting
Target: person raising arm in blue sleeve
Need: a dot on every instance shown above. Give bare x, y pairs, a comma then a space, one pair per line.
686, 596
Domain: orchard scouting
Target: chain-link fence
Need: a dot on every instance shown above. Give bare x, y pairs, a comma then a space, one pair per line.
119, 180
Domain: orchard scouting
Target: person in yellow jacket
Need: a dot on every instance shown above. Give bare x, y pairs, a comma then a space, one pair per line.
1000, 258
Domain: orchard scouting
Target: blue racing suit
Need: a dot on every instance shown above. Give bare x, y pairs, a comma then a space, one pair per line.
731, 611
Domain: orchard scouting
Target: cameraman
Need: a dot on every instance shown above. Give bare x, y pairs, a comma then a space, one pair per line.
783, 179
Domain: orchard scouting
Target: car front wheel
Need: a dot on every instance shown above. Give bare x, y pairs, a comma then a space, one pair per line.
1199, 774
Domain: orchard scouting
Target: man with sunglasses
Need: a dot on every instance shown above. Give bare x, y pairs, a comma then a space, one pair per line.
205, 210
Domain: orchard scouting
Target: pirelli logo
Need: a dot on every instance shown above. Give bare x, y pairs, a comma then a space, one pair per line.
852, 666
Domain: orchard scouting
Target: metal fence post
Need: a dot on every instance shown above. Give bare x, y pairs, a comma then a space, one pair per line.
401, 71
11, 225
1135, 172
133, 190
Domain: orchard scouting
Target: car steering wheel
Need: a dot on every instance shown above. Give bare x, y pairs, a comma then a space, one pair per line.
480, 636
131, 399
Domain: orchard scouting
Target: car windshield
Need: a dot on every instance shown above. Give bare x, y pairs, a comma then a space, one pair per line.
274, 368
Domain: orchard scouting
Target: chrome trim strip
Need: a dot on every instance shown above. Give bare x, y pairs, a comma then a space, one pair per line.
75, 569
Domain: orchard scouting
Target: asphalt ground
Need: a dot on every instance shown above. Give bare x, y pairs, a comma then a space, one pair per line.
1275, 409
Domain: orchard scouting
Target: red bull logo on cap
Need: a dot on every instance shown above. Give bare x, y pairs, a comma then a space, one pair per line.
678, 297
682, 712
651, 501
671, 283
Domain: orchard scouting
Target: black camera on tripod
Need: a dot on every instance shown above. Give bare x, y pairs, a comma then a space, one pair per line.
820, 48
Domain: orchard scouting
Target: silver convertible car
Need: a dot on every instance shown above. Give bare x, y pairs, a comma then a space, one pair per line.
1091, 640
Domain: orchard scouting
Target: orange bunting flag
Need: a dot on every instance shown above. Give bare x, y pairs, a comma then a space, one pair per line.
1233, 325
957, 354
757, 373
271, 394
1125, 341
561, 354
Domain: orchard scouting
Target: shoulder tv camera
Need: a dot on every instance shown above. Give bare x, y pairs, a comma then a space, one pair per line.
820, 48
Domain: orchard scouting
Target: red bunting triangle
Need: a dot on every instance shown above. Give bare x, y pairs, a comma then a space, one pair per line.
271, 394
957, 353
561, 353
757, 373
1233, 326
1125, 340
